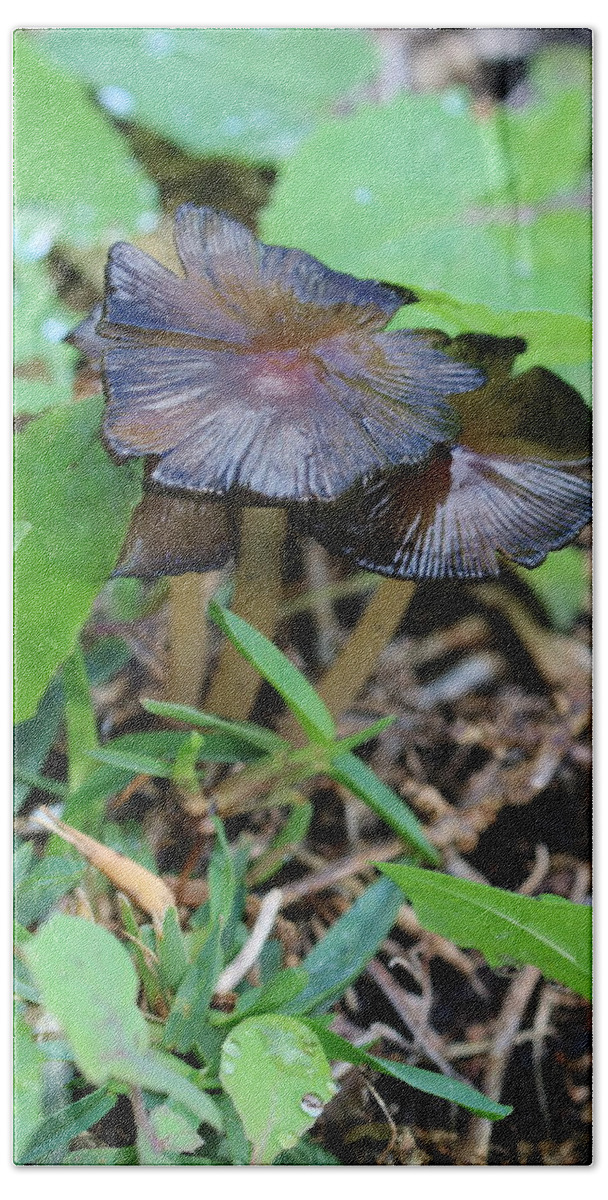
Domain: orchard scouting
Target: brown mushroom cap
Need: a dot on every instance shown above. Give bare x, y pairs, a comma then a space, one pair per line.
514, 486
171, 534
265, 370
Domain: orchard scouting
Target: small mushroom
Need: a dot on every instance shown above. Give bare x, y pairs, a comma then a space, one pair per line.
263, 375
515, 487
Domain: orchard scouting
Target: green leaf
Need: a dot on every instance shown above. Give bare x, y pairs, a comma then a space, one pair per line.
88, 982
40, 322
74, 177
554, 338
134, 762
281, 847
307, 1154
172, 955
275, 667
550, 933
51, 878
247, 731
79, 503
189, 1010
253, 92
28, 1085
423, 193
354, 774
351, 942
365, 735
163, 1073
85, 808
80, 719
34, 738
58, 1129
174, 1129
562, 583
276, 1074
141, 960
271, 997
102, 1156
444, 1086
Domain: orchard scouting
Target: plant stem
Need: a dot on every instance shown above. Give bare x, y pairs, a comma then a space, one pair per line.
188, 636
342, 682
244, 791
257, 599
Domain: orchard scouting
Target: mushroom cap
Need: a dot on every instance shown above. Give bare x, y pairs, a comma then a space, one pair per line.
172, 534
264, 369
515, 486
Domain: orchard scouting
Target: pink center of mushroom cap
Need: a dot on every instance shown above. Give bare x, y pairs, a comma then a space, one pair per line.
280, 375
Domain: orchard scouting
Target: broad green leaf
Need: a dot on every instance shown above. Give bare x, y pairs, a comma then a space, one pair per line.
88, 982
79, 503
34, 395
276, 668
554, 338
163, 1073
23, 859
28, 1085
354, 774
423, 193
444, 1086
58, 1129
74, 177
262, 739
562, 583
351, 942
51, 878
277, 1076
248, 92
547, 932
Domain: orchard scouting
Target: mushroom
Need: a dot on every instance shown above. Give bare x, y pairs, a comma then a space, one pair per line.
263, 375
513, 487
176, 535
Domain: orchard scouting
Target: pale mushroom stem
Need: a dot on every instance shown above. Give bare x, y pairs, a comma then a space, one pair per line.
257, 598
342, 682
189, 596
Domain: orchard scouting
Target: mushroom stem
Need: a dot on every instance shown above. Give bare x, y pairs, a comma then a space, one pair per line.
342, 682
257, 598
188, 635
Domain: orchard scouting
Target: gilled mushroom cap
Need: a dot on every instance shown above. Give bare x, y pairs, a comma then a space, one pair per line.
514, 486
263, 369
